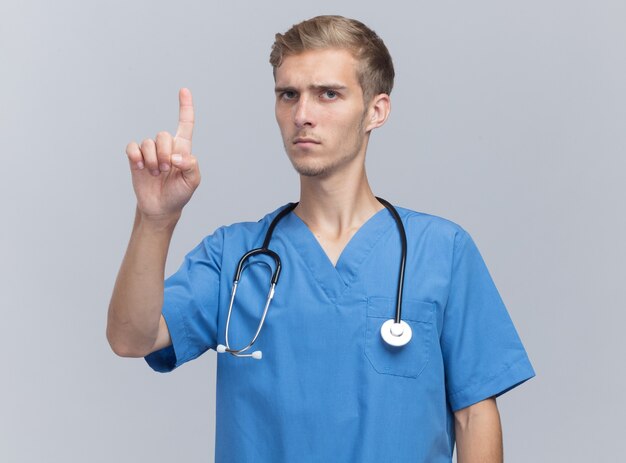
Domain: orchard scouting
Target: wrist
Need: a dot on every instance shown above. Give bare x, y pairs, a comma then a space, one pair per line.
157, 222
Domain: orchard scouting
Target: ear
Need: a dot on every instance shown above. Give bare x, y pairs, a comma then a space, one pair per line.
378, 111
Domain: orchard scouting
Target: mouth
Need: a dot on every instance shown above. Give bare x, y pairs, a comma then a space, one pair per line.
305, 141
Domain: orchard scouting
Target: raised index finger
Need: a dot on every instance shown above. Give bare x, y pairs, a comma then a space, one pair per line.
185, 115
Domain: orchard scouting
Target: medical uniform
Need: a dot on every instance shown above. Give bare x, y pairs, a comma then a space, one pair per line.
328, 389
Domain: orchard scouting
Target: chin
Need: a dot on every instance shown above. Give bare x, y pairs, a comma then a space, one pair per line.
309, 165
310, 170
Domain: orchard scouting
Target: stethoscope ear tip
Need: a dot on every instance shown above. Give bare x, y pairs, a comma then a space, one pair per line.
257, 354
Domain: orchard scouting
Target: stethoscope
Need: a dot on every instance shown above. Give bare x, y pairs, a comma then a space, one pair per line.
395, 332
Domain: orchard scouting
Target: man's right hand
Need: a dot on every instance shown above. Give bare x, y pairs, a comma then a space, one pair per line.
165, 173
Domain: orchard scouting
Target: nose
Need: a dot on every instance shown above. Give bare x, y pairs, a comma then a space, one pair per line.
303, 113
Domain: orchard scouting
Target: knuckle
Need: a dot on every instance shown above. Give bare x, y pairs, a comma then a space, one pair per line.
164, 149
163, 135
147, 143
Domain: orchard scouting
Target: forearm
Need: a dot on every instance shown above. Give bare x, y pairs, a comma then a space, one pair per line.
136, 303
479, 433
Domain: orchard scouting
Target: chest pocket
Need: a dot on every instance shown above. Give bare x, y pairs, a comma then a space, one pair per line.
410, 359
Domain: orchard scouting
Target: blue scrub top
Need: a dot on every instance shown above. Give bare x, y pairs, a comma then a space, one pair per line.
328, 388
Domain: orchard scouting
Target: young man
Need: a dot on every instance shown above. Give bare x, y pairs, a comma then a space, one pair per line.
328, 386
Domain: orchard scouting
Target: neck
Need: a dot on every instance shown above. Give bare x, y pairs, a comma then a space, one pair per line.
337, 203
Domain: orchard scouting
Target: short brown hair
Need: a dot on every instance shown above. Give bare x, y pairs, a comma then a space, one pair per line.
375, 71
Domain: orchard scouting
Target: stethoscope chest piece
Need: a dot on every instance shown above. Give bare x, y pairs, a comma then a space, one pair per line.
396, 334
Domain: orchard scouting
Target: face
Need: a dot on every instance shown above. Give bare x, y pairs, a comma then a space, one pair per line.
320, 111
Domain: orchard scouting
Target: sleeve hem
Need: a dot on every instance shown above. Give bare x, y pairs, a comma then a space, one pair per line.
169, 358
516, 374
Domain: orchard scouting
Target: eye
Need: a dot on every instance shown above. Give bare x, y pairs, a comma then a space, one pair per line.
288, 95
329, 95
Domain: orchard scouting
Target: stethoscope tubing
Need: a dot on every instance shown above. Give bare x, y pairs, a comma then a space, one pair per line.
402, 232
264, 250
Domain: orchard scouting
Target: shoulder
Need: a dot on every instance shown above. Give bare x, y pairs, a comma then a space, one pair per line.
253, 227
242, 232
420, 224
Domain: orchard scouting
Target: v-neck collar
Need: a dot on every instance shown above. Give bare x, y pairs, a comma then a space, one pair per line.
335, 280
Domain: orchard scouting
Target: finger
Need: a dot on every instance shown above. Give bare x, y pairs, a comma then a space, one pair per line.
148, 149
186, 115
164, 142
189, 168
134, 155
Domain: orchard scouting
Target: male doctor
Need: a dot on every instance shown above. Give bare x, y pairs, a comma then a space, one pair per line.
328, 387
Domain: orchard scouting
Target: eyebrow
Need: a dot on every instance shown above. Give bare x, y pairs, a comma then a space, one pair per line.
328, 86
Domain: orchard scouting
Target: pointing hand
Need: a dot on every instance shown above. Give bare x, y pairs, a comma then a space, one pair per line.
165, 173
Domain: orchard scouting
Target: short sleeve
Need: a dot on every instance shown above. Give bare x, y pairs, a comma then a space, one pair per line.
190, 305
483, 354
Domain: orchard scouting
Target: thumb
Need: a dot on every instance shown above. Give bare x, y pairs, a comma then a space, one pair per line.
188, 165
